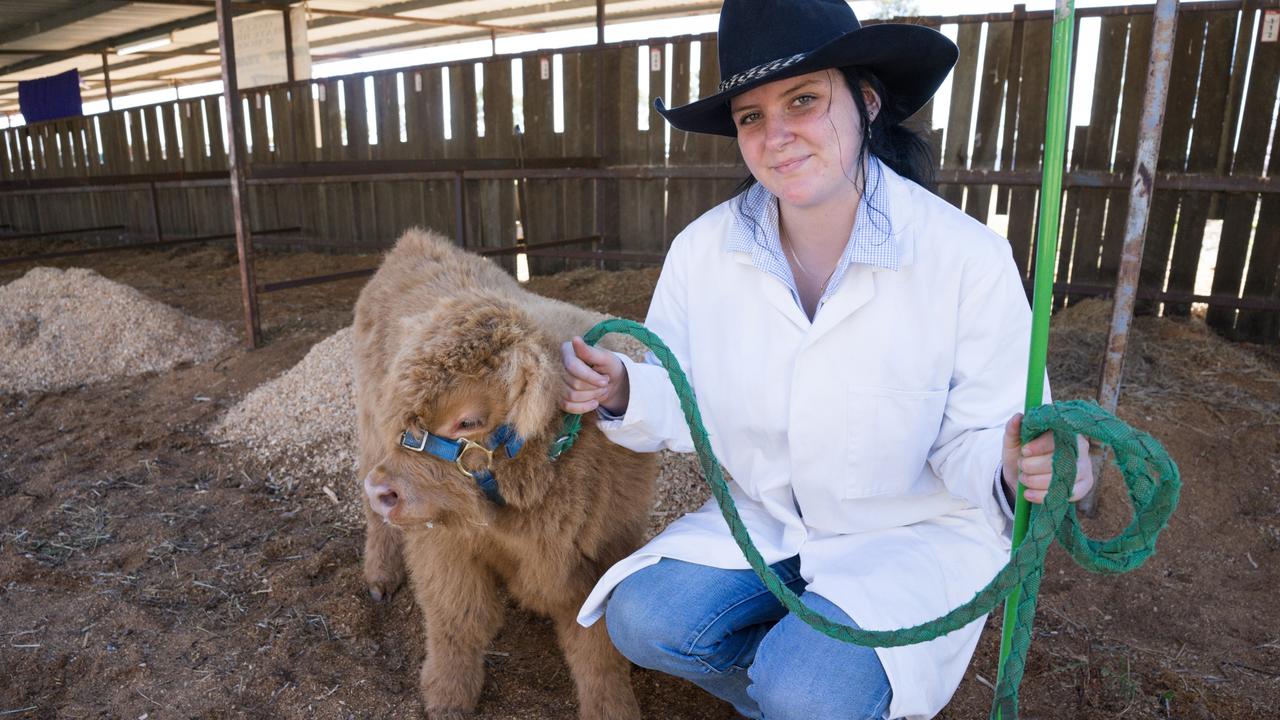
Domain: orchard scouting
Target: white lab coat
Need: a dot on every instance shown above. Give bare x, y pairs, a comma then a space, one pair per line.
867, 442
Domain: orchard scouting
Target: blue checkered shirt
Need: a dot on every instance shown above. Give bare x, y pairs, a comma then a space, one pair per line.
872, 242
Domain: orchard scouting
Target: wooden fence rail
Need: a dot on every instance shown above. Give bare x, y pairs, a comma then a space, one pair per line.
356, 159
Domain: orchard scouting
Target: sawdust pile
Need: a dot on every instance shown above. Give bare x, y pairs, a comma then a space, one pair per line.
681, 489
302, 424
1166, 357
624, 293
62, 328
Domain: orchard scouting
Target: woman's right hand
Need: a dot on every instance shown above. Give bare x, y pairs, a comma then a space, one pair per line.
594, 377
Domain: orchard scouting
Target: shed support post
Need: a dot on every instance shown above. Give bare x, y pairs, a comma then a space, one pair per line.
460, 208
288, 42
155, 213
1135, 229
598, 187
235, 159
106, 78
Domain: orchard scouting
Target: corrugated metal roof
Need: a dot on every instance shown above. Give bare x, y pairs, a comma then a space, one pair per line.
94, 25
20, 13
102, 27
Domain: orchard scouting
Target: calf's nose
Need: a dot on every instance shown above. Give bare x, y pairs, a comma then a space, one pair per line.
382, 498
387, 498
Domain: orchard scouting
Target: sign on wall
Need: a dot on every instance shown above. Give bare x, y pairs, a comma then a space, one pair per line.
1271, 26
260, 48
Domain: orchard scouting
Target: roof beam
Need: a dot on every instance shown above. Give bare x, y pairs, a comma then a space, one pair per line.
317, 47
361, 15
414, 20
147, 53
207, 18
96, 47
61, 19
585, 21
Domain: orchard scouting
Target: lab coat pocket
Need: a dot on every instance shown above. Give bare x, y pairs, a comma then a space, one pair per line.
890, 433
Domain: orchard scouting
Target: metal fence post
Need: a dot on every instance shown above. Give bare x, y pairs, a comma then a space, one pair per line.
235, 157
1135, 229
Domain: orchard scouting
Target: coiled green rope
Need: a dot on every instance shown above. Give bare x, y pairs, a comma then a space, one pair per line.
1150, 476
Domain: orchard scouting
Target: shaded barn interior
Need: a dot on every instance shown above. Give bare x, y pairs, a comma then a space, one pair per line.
152, 566
565, 145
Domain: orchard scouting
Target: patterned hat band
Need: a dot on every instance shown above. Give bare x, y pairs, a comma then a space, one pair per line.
760, 71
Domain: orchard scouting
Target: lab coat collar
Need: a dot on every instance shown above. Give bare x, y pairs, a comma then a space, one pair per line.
872, 240
857, 288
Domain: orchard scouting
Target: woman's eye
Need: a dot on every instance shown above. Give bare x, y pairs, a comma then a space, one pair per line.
804, 100
748, 118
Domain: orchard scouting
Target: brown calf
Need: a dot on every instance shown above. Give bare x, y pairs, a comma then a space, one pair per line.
447, 342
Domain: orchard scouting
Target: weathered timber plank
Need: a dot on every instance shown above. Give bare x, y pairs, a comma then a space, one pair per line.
1188, 50
1012, 91
1210, 114
1095, 152
1237, 223
640, 202
686, 199
1029, 142
581, 105
386, 88
331, 127
955, 153
542, 201
462, 111
1070, 239
1130, 112
991, 88
1262, 277
357, 119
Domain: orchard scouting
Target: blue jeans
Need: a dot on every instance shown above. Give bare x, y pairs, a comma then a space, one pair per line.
725, 632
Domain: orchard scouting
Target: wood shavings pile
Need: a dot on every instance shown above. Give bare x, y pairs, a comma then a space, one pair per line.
302, 423
62, 328
1165, 357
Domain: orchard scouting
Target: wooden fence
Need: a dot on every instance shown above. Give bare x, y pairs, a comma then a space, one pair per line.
447, 154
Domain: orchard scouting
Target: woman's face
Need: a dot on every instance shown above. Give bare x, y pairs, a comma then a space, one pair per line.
800, 137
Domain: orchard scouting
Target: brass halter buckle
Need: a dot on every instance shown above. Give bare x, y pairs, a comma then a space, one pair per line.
473, 445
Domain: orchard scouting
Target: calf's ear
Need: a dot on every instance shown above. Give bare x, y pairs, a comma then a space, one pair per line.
530, 378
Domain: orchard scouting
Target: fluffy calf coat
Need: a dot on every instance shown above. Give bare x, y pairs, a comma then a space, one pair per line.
446, 341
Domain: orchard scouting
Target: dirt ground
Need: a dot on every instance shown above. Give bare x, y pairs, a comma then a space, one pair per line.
146, 572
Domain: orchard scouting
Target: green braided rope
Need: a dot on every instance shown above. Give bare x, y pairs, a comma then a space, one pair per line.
1150, 476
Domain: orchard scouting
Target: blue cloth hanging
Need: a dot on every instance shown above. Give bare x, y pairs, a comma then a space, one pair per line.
50, 98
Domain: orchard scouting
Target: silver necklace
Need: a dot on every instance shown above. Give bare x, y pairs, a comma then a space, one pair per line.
786, 247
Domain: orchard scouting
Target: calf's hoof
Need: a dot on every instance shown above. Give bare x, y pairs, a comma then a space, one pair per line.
622, 710
447, 713
382, 585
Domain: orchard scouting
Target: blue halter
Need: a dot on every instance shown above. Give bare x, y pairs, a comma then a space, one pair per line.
454, 450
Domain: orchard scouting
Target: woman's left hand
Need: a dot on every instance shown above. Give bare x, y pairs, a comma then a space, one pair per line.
1033, 463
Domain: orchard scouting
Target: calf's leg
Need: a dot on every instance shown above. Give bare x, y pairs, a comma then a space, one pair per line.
602, 674
383, 558
462, 612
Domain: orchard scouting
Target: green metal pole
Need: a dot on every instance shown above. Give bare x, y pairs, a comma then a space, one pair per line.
1046, 258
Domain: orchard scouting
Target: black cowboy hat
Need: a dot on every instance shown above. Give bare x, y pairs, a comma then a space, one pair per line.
766, 40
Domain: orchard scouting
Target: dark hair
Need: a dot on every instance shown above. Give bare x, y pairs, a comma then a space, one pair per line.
905, 151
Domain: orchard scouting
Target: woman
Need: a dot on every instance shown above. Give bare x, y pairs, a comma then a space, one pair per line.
858, 348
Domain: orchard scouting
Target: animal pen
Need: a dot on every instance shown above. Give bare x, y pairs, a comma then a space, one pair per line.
181, 536
472, 147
